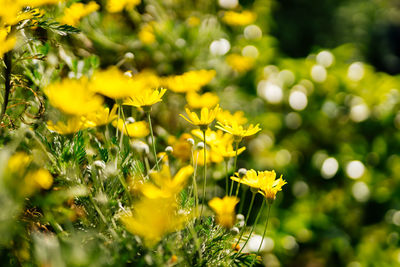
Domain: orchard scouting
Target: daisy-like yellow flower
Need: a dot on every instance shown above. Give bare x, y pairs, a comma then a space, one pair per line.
254, 179
40, 178
240, 63
182, 149
239, 19
112, 83
207, 116
225, 149
225, 210
270, 187
136, 129
114, 6
73, 97
238, 131
206, 100
225, 117
164, 186
18, 163
101, 117
189, 81
73, 125
76, 11
152, 218
146, 98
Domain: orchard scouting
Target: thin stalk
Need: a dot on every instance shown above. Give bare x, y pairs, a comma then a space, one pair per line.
7, 76
196, 193
254, 225
234, 167
262, 239
152, 140
204, 173
243, 197
247, 217
226, 176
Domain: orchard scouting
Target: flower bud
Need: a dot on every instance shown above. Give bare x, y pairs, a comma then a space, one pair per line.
191, 141
242, 172
169, 149
200, 145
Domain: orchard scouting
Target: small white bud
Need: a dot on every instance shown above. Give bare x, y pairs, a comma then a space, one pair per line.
242, 172
99, 164
129, 56
191, 141
169, 149
240, 217
200, 145
130, 120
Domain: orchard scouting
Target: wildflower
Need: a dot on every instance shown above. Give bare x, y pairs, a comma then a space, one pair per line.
73, 97
135, 129
40, 178
225, 117
6, 42
212, 137
182, 149
270, 187
233, 18
153, 218
164, 186
206, 100
225, 210
254, 179
73, 125
146, 34
112, 83
189, 81
18, 162
146, 98
238, 131
225, 149
193, 21
114, 6
206, 116
101, 117
76, 11
240, 63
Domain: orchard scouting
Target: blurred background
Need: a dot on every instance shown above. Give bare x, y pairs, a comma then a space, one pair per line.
321, 78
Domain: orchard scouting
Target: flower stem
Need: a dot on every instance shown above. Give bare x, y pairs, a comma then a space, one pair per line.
234, 167
247, 217
204, 174
226, 177
152, 140
7, 77
254, 225
262, 239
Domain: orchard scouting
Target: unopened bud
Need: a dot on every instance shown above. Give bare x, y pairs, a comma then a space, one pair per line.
191, 141
234, 230
130, 120
169, 149
200, 145
99, 164
240, 217
242, 172
129, 56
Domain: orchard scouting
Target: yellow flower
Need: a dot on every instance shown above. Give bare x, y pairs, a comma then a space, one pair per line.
254, 179
225, 149
73, 97
146, 98
136, 129
112, 83
212, 137
6, 42
239, 19
153, 218
114, 6
270, 187
240, 63
206, 100
225, 117
73, 125
238, 131
164, 186
189, 81
101, 117
182, 149
225, 210
206, 116
18, 163
193, 21
76, 11
40, 178
146, 34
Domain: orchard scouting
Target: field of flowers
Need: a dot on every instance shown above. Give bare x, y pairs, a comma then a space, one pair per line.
199, 133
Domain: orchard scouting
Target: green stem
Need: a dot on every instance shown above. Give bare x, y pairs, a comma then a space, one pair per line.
204, 174
247, 217
262, 239
196, 193
7, 77
226, 177
243, 197
152, 140
254, 225
234, 167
